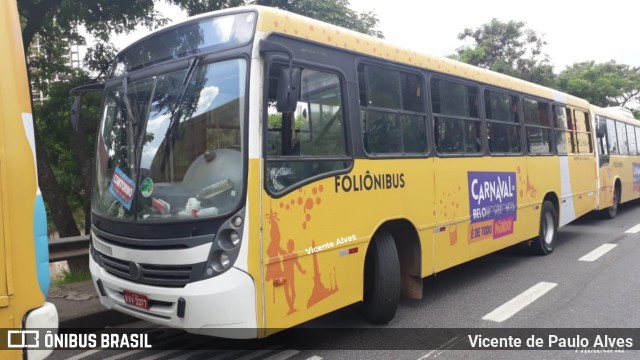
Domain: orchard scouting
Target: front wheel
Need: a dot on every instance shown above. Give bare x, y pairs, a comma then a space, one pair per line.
613, 210
544, 243
381, 279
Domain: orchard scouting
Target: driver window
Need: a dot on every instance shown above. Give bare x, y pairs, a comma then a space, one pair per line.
310, 141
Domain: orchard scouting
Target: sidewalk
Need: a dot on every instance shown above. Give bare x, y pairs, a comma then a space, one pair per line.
79, 307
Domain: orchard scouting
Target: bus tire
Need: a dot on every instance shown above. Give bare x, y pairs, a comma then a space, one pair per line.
381, 279
612, 211
545, 242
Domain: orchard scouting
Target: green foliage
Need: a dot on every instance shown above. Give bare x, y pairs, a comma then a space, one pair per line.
512, 49
56, 24
275, 121
68, 277
99, 57
604, 84
336, 12
64, 177
508, 48
195, 7
52, 118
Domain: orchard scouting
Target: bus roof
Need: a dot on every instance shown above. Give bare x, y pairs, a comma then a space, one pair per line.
614, 113
272, 20
280, 21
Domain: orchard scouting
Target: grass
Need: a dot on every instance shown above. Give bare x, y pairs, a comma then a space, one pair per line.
68, 277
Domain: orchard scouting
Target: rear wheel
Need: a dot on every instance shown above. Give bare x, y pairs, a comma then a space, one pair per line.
381, 279
545, 242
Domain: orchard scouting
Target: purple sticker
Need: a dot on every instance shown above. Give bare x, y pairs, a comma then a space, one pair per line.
493, 204
493, 196
636, 177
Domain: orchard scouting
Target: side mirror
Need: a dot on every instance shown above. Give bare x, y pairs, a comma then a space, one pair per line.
75, 112
79, 93
601, 129
288, 90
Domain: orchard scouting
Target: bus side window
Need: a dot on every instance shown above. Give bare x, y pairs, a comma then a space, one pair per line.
392, 111
562, 129
603, 145
612, 137
538, 126
456, 117
311, 141
637, 131
623, 144
583, 132
631, 134
503, 128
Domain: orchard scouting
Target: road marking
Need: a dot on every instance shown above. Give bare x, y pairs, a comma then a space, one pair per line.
257, 353
123, 355
447, 345
315, 357
191, 354
283, 355
511, 307
84, 354
598, 252
633, 230
162, 354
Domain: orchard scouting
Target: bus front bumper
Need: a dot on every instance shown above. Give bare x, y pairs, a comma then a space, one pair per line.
42, 318
222, 306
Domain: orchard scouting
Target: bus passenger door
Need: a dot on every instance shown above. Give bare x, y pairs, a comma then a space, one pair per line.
305, 232
582, 166
4, 262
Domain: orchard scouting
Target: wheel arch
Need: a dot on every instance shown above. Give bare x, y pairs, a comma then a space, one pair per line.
552, 197
407, 242
617, 186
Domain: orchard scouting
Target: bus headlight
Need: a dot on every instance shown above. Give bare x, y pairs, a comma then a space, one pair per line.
228, 239
226, 246
219, 263
224, 260
234, 237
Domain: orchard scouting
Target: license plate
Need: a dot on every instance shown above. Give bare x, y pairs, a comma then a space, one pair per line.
137, 300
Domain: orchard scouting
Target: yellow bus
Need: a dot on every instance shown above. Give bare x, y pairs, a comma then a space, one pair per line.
256, 169
24, 252
618, 157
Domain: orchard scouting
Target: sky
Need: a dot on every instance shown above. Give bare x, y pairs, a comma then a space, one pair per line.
597, 30
575, 31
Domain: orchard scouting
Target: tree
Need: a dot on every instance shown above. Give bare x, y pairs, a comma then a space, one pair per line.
508, 48
69, 151
56, 23
336, 12
604, 84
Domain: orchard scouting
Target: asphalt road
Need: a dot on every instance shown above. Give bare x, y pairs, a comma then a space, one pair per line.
506, 290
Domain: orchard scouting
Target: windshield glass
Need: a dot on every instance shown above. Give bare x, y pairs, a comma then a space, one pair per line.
194, 37
170, 146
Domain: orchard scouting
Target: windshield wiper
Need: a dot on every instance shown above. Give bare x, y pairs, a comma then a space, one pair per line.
130, 127
176, 112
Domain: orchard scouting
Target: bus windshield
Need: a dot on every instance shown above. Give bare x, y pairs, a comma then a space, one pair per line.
195, 37
170, 145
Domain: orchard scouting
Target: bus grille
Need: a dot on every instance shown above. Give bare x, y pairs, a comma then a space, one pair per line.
160, 275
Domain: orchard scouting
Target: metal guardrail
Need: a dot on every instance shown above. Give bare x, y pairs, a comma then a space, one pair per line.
68, 248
